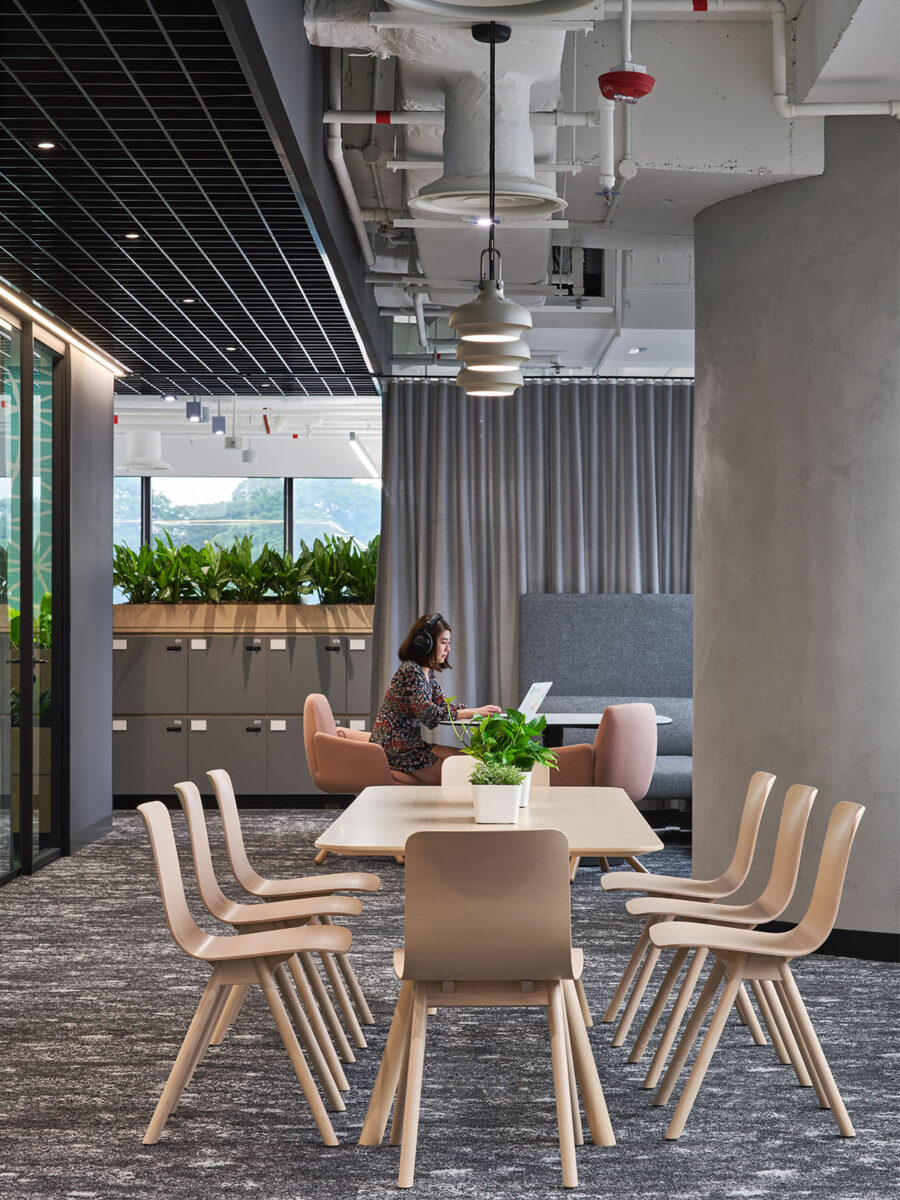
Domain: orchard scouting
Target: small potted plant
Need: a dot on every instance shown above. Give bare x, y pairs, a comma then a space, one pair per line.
496, 789
509, 740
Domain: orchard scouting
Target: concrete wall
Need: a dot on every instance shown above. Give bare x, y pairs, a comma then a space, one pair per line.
797, 510
90, 522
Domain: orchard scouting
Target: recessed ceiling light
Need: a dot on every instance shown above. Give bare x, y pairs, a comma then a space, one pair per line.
131, 236
229, 348
638, 350
46, 145
188, 300
265, 385
169, 399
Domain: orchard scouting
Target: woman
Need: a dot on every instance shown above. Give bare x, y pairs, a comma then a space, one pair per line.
415, 697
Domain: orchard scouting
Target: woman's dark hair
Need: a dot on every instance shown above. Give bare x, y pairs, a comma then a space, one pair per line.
409, 653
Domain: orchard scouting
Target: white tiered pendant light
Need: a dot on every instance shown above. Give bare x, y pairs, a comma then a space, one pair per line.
491, 319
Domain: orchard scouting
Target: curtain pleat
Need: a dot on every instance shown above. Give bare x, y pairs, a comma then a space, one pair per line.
564, 487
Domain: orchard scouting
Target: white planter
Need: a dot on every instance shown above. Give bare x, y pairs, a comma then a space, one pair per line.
496, 804
526, 789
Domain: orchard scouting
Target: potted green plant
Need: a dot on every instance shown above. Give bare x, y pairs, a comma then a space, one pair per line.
510, 739
496, 788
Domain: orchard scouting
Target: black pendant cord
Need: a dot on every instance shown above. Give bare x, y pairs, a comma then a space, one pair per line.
491, 192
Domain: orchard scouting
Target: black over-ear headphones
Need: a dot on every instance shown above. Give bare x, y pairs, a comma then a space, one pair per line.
423, 642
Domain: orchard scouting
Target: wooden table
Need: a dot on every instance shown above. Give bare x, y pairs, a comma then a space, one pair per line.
599, 822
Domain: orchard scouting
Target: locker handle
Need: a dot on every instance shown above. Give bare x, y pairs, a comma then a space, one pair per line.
173, 728
333, 649
255, 649
175, 649
254, 728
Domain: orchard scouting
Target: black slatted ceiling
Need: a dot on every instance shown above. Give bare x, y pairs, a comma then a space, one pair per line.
157, 133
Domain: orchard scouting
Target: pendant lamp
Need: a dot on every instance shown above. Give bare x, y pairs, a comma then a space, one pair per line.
491, 318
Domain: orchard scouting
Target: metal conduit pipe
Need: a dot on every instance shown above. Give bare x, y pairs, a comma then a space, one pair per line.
335, 152
419, 309
435, 117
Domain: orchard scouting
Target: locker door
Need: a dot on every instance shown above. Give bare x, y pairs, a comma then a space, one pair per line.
288, 773
359, 674
150, 755
149, 674
236, 744
227, 674
300, 665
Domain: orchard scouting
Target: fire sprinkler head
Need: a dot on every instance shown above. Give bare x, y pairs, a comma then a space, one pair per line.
627, 83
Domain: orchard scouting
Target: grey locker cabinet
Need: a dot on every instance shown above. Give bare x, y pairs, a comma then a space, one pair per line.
227, 674
288, 773
237, 744
359, 675
150, 755
307, 664
150, 674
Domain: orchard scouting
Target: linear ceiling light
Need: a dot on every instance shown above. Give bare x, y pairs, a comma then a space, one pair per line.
35, 314
363, 456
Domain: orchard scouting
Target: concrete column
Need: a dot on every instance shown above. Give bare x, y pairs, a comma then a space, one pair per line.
797, 514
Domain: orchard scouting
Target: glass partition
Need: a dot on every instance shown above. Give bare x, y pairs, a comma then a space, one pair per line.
198, 510
10, 544
45, 822
343, 507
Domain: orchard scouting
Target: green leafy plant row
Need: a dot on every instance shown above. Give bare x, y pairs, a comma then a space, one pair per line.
336, 570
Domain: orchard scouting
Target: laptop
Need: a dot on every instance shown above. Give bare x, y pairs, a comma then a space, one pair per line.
533, 699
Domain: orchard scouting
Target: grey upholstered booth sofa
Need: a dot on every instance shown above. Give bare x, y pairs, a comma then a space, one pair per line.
608, 648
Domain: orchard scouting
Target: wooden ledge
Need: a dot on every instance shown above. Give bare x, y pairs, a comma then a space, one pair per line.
334, 619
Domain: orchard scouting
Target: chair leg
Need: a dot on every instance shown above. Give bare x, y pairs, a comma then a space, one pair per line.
637, 995
400, 1101
314, 1016
289, 1038
204, 1044
820, 1063
790, 1044
388, 1075
307, 1037
346, 968
748, 1016
706, 1051
229, 1013
326, 1008
573, 1085
583, 1003
586, 1072
769, 1021
320, 857
198, 1034
657, 1007
679, 1008
340, 994
801, 1046
556, 1019
629, 973
418, 1026
694, 1025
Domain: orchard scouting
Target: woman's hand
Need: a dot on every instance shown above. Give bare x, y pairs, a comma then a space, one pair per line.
486, 710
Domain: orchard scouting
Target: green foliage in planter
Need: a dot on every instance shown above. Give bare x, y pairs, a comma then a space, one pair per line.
43, 624
510, 740
496, 774
338, 569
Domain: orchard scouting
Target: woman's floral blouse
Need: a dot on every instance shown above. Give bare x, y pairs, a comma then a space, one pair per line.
413, 697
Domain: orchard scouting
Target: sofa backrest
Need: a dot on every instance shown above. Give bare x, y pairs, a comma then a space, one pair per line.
607, 644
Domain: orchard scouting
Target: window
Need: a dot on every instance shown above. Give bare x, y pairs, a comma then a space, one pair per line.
343, 507
127, 511
199, 510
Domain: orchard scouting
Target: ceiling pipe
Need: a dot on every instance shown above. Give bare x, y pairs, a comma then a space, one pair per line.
435, 117
419, 308
335, 152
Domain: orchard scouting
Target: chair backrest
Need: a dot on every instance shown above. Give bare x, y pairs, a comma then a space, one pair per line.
231, 827
185, 930
488, 905
317, 718
798, 802
625, 748
758, 790
821, 915
455, 772
207, 884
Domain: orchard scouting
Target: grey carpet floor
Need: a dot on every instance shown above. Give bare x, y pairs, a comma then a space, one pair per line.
95, 998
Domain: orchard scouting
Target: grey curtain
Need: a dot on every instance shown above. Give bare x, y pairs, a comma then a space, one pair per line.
564, 487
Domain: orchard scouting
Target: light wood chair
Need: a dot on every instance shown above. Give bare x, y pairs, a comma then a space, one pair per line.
720, 888
237, 962
765, 957
487, 925
274, 914
303, 886
772, 902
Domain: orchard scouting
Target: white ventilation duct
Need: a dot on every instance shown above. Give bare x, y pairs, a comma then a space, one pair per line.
143, 451
463, 188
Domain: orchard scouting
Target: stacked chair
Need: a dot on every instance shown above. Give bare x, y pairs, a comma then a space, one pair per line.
279, 941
